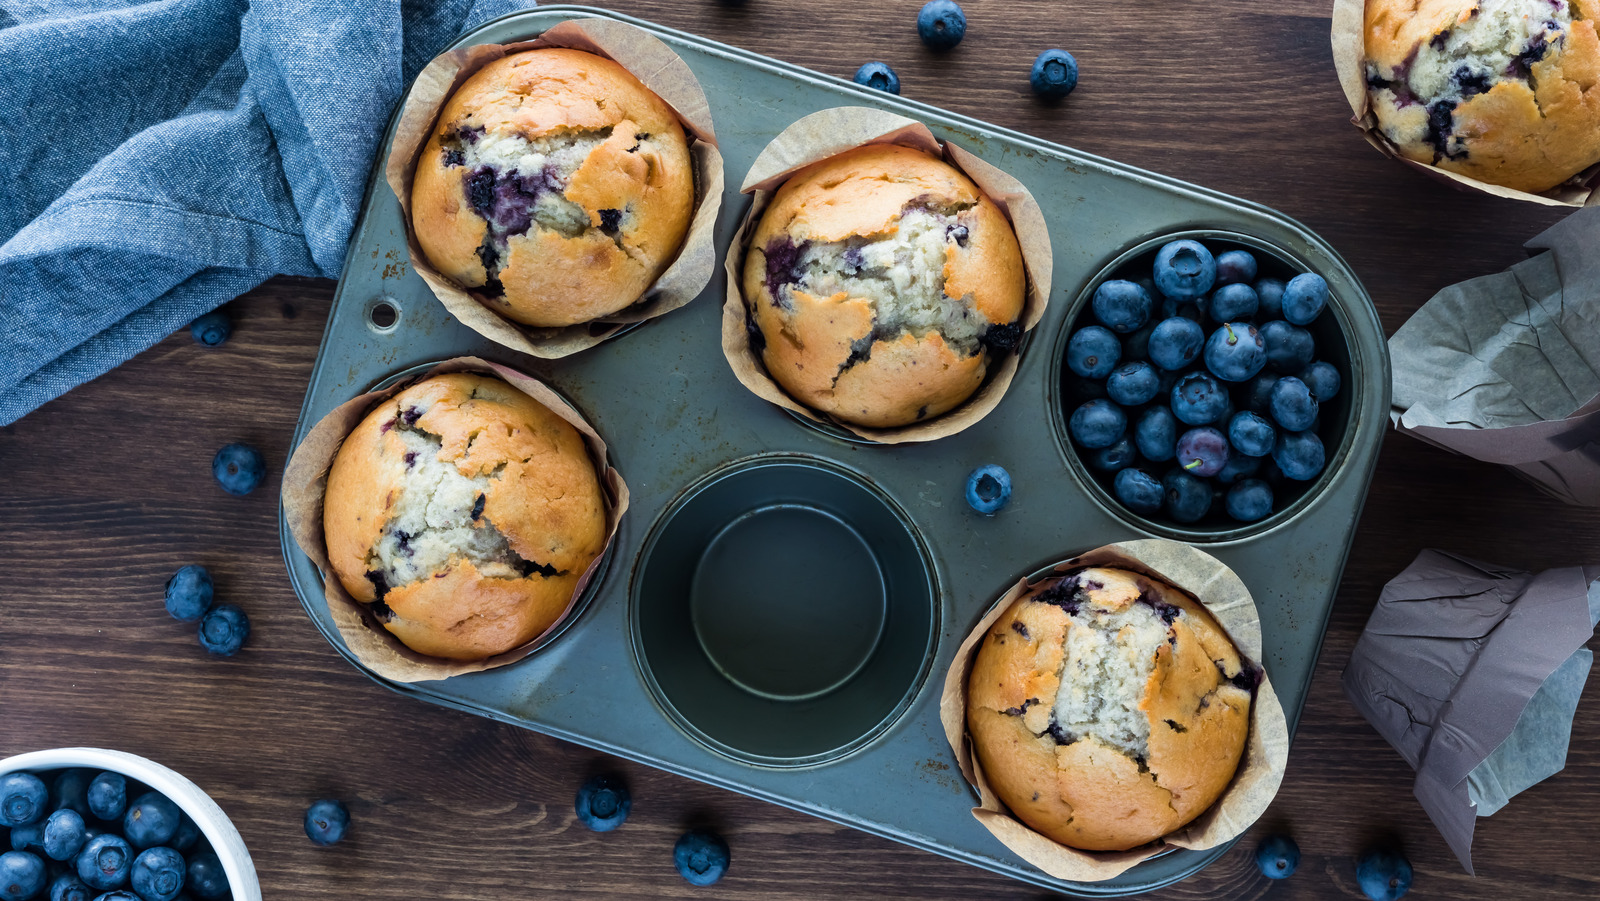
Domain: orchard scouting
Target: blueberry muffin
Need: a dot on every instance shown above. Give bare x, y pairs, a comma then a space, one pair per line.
463, 512
555, 185
1503, 91
1108, 709
881, 285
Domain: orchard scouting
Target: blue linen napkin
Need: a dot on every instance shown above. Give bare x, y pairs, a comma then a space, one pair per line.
159, 158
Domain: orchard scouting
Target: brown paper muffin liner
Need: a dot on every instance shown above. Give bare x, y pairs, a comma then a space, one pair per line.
1349, 56
662, 71
833, 131
305, 481
1266, 752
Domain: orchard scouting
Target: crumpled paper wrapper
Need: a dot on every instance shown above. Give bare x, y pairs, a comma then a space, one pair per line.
833, 131
1349, 57
1266, 752
305, 481
662, 71
1506, 368
1472, 672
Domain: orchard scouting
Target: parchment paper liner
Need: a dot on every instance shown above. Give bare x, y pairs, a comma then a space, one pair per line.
1266, 752
662, 71
828, 133
1349, 55
305, 481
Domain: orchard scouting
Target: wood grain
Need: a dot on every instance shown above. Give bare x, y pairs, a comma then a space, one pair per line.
107, 491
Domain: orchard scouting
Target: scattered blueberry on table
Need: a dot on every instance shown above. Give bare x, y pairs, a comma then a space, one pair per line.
941, 24
1383, 874
223, 630
212, 329
701, 857
1054, 74
1277, 856
327, 820
1204, 360
189, 593
878, 76
239, 468
603, 803
988, 489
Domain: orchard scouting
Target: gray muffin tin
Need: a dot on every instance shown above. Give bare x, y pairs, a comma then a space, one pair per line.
781, 604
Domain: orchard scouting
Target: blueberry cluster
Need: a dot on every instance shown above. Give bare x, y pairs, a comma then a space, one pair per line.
1198, 384
223, 627
82, 839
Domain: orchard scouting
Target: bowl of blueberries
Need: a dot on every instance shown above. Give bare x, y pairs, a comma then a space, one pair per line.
86, 824
1206, 386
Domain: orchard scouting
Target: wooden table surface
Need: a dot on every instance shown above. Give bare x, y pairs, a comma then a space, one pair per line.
105, 492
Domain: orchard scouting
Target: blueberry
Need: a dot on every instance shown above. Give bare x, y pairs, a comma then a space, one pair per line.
1236, 352
104, 861
1133, 384
158, 874
1097, 424
941, 24
187, 836
239, 468
23, 799
878, 76
1277, 855
1139, 491
1136, 347
68, 887
988, 490
1054, 75
1322, 380
603, 802
1185, 270
64, 834
108, 796
1238, 467
1251, 434
1236, 267
1269, 291
1176, 342
1188, 498
151, 820
1156, 434
224, 629
206, 878
1093, 352
212, 329
1304, 297
1197, 399
1249, 501
1383, 875
1110, 459
1299, 455
118, 895
1292, 405
1289, 347
28, 838
189, 593
1122, 306
70, 790
21, 876
1203, 451
701, 857
1231, 303
1257, 394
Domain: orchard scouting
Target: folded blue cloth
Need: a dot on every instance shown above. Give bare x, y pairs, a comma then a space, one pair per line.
160, 158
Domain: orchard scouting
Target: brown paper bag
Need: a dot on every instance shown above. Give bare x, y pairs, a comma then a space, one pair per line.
663, 72
305, 480
1266, 752
1349, 58
829, 133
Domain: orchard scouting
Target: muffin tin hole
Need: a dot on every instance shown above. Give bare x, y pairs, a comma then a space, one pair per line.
783, 611
383, 315
1331, 331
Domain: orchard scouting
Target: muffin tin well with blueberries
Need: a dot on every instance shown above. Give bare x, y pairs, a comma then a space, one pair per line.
1198, 381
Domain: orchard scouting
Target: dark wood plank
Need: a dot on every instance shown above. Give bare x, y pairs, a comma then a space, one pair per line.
106, 491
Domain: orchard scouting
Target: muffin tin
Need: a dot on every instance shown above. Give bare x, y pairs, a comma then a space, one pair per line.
745, 521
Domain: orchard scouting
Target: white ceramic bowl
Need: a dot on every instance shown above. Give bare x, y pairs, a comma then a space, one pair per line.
197, 804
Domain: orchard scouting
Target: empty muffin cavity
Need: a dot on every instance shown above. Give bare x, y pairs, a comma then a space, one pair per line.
437, 518
900, 274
